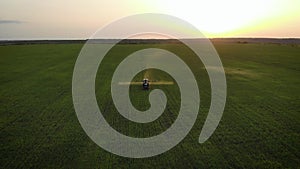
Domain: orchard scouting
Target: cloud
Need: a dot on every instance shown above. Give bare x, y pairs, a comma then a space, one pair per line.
11, 22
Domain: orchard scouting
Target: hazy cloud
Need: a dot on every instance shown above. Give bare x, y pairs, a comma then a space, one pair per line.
11, 21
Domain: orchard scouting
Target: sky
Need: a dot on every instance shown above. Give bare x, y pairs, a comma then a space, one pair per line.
79, 19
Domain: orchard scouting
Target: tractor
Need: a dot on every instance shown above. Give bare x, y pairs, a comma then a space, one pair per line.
146, 84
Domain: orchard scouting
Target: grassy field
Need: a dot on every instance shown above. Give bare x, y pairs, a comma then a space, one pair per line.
260, 127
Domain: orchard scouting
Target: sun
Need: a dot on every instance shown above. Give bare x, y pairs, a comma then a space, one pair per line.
222, 18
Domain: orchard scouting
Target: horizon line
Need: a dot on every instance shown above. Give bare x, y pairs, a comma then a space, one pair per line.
85, 39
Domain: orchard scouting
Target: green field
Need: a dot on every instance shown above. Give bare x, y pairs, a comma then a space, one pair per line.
260, 127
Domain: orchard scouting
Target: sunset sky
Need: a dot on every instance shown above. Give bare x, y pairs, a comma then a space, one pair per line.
79, 19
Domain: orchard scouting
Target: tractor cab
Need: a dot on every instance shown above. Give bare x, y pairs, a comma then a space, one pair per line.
146, 84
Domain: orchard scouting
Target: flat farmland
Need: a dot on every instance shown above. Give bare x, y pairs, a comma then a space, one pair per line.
260, 127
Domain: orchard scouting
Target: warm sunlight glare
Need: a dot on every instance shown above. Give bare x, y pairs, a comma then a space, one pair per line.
225, 18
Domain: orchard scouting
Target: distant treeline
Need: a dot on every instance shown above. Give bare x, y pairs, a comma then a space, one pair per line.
153, 41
